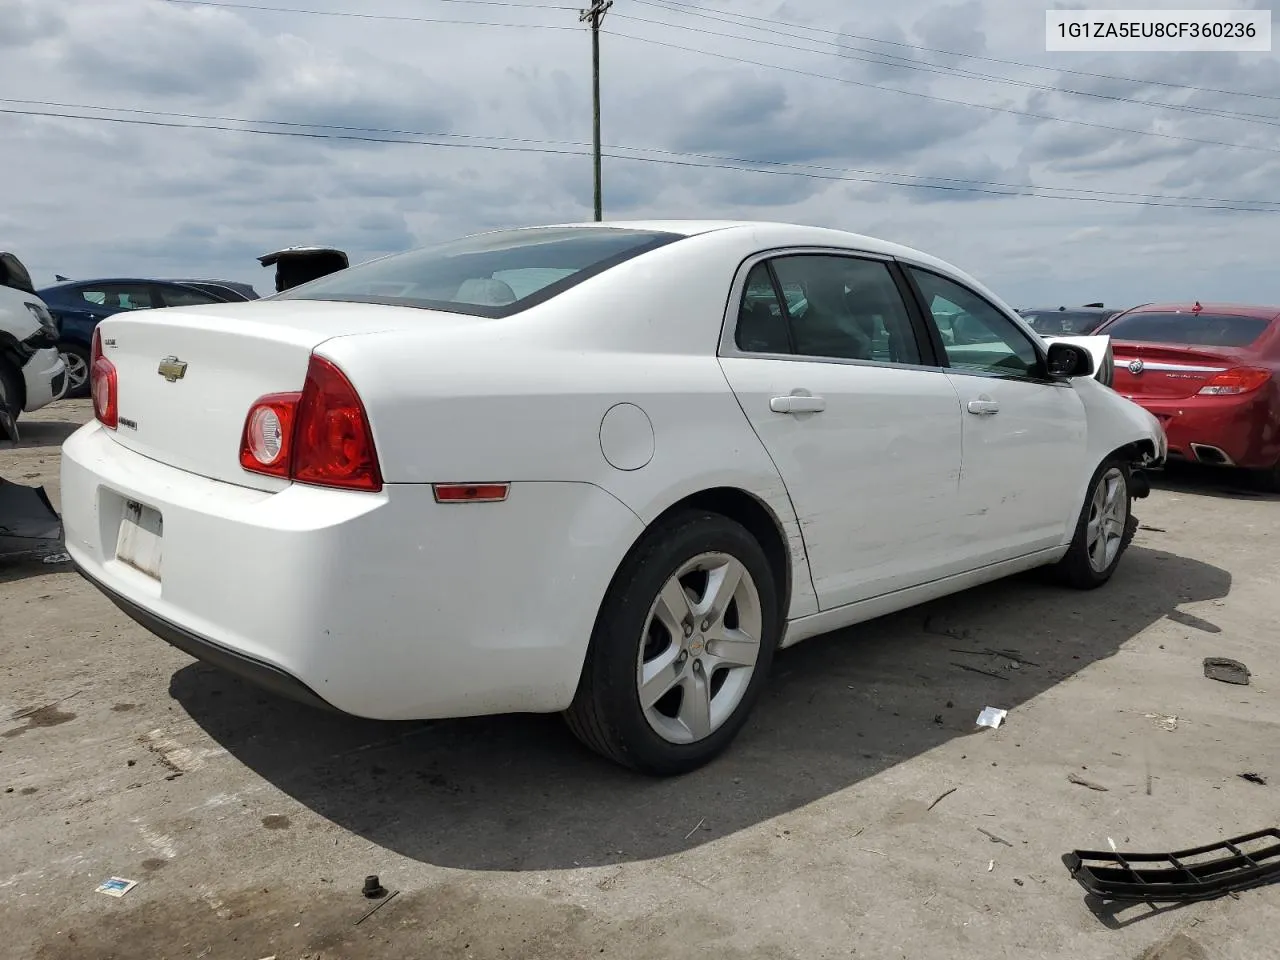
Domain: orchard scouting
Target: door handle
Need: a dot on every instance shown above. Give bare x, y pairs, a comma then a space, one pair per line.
798, 404
984, 408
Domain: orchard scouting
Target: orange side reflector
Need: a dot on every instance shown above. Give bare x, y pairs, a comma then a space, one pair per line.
470, 492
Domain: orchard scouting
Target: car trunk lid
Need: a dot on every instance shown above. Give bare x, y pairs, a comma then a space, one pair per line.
1168, 372
187, 376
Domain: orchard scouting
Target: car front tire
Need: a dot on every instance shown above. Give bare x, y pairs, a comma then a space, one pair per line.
682, 645
1104, 529
76, 359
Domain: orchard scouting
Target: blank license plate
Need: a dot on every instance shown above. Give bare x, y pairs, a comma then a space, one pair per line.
141, 538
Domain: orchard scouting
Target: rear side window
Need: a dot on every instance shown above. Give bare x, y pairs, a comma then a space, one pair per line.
833, 307
119, 296
490, 275
183, 297
1192, 329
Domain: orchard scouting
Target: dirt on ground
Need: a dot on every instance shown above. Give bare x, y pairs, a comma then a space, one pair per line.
860, 814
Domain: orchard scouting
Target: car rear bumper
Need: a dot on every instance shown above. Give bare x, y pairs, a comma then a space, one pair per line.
389, 606
45, 376
258, 672
1221, 431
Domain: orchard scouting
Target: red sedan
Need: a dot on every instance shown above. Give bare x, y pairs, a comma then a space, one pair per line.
1210, 375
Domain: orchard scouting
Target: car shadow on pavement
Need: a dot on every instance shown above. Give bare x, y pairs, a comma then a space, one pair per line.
1219, 482
41, 433
519, 793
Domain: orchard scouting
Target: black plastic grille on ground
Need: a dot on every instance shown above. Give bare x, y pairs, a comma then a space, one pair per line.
1197, 874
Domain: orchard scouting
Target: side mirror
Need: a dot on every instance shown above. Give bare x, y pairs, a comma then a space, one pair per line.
1066, 361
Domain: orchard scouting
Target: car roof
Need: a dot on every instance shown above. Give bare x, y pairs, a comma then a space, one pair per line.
67, 284
1227, 309
770, 233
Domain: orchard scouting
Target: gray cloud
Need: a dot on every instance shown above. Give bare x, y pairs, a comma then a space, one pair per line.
98, 198
28, 22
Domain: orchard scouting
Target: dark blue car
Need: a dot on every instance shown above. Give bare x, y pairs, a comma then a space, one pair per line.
78, 305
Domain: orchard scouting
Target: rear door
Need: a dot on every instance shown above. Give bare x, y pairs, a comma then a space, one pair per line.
830, 369
1024, 434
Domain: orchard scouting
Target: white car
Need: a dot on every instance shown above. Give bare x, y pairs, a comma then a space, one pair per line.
614, 493
32, 374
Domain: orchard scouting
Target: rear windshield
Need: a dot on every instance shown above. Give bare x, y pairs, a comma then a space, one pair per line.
1197, 329
490, 275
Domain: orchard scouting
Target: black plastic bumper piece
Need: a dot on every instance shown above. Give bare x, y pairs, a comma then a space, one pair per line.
1201, 873
268, 677
1139, 484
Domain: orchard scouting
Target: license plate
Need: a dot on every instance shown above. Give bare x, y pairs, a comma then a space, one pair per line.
141, 538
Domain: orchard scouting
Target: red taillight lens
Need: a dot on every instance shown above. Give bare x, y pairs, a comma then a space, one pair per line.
320, 436
103, 384
1236, 381
267, 443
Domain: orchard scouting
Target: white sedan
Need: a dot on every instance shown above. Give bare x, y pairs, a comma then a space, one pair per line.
605, 469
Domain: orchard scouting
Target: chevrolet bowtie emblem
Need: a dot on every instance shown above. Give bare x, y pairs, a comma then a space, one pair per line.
172, 369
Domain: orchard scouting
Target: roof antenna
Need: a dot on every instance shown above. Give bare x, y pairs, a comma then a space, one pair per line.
1197, 308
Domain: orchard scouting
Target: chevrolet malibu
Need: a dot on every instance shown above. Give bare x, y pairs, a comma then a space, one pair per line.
604, 469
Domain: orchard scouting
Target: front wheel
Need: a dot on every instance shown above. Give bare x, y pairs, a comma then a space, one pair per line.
1104, 529
682, 644
76, 359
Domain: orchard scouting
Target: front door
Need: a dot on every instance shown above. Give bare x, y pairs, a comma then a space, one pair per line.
1024, 434
826, 362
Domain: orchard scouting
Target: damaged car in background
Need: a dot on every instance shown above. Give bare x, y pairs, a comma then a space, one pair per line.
599, 469
32, 374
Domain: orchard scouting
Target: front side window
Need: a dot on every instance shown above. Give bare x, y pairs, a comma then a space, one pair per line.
836, 307
490, 275
976, 336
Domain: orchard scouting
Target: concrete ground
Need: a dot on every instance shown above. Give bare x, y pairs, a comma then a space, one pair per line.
250, 823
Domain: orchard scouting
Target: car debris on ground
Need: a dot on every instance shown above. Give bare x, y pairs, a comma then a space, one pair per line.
1226, 670
1181, 876
28, 522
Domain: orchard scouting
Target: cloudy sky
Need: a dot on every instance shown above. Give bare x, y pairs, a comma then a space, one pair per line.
842, 103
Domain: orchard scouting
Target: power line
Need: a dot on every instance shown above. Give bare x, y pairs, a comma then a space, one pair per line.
904, 63
940, 99
259, 8
675, 6
772, 66
695, 164
782, 164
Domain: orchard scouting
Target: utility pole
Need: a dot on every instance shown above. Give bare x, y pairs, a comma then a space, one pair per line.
595, 15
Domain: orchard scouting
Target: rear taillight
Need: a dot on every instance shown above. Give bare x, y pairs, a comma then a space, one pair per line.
1235, 381
267, 444
320, 436
103, 384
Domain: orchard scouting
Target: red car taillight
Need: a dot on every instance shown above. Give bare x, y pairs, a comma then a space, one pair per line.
320, 436
1236, 381
103, 384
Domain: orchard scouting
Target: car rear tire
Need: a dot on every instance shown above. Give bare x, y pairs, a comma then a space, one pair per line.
1104, 529
76, 359
682, 645
11, 387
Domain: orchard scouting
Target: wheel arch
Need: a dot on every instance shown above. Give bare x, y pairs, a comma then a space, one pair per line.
756, 517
